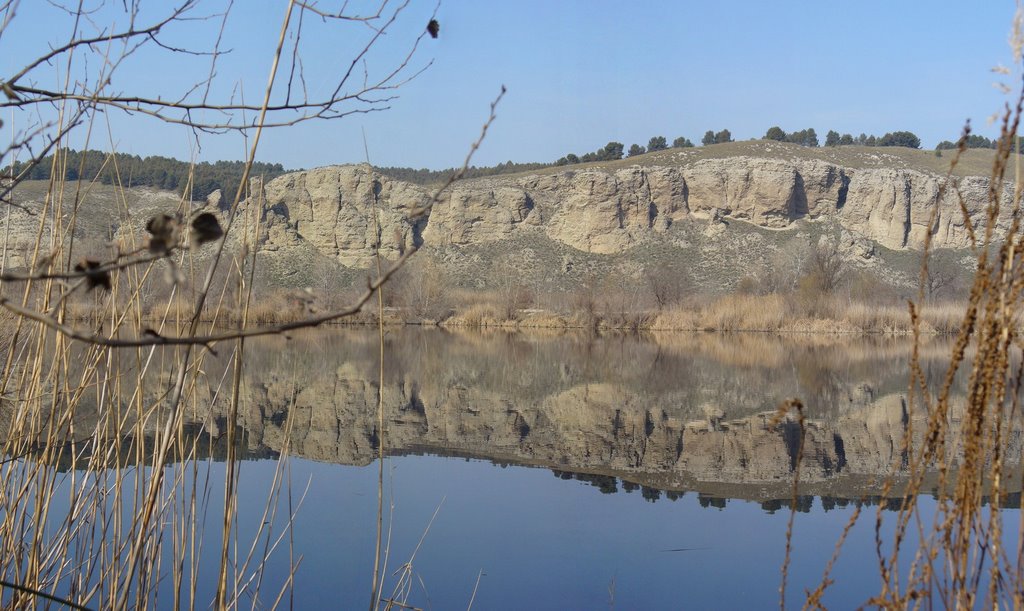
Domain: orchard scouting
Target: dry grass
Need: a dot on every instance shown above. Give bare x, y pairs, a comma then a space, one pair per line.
745, 313
889, 319
773, 313
782, 314
480, 315
83, 514
543, 320
944, 317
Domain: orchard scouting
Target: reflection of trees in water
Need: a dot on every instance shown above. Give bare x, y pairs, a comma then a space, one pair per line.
805, 503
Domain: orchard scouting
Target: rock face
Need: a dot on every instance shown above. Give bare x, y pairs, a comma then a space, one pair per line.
333, 208
603, 212
608, 211
470, 211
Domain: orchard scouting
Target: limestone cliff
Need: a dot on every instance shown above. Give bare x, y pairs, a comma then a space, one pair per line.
608, 210
604, 209
333, 209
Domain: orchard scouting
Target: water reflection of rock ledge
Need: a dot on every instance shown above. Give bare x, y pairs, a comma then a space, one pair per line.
676, 413
691, 412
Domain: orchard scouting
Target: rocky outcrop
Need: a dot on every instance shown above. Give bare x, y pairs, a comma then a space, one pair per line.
333, 209
610, 210
764, 192
604, 210
470, 211
894, 207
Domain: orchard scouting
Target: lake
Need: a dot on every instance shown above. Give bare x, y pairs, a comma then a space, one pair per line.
555, 471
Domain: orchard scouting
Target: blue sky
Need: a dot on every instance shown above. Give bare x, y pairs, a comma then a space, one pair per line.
580, 74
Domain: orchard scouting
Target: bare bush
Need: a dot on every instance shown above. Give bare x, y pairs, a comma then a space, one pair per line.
423, 289
940, 281
513, 293
826, 268
665, 287
782, 271
583, 303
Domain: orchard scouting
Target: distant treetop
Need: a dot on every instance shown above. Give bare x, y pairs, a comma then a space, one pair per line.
973, 141
775, 133
711, 137
426, 177
610, 152
657, 143
804, 137
907, 139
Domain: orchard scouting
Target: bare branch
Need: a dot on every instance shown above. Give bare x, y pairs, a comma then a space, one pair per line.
189, 108
103, 37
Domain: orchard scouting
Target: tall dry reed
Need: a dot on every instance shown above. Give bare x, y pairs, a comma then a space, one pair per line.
106, 402
963, 554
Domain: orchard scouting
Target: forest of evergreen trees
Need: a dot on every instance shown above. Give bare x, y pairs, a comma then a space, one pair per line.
155, 171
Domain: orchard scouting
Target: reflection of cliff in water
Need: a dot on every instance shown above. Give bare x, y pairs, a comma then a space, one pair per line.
671, 413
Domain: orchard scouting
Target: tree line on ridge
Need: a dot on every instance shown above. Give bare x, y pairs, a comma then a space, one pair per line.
153, 171
206, 177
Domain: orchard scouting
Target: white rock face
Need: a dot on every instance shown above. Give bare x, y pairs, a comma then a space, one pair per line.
894, 207
332, 208
761, 191
478, 211
606, 211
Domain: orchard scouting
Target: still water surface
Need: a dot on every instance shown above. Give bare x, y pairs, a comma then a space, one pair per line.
570, 472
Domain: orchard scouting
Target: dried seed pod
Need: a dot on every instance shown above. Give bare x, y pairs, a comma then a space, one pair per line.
164, 230
433, 28
94, 275
206, 228
10, 93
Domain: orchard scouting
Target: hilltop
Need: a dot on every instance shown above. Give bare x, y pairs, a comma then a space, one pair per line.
973, 162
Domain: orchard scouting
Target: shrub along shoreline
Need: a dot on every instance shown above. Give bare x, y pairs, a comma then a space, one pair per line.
732, 313
729, 313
